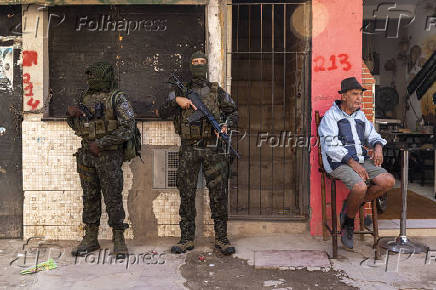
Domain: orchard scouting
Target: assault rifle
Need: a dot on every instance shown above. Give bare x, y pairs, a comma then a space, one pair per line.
86, 112
202, 111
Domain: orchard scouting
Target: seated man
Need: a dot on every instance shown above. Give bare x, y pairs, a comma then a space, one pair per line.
344, 131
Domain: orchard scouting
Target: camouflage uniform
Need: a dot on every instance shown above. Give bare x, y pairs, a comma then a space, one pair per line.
198, 147
103, 173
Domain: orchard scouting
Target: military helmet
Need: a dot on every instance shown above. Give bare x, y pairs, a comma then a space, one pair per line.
101, 76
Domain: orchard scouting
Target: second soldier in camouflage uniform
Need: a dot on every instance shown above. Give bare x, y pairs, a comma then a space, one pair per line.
100, 158
197, 149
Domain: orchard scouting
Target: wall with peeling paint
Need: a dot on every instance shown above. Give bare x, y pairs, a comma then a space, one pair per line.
11, 190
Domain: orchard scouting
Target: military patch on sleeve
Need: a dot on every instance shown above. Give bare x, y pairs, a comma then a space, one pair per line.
127, 109
171, 95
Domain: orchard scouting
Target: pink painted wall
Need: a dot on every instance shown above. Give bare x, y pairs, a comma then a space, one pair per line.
336, 54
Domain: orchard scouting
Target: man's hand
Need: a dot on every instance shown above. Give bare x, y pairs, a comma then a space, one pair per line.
185, 103
378, 155
223, 130
359, 169
93, 147
74, 111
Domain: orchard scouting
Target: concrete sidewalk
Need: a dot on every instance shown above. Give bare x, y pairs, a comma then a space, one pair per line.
155, 268
358, 266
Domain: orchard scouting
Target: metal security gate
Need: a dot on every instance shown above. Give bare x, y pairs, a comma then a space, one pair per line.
268, 54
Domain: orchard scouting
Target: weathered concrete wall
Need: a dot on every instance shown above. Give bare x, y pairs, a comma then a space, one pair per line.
35, 57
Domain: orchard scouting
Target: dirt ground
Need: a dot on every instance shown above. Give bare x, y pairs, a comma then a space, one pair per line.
212, 270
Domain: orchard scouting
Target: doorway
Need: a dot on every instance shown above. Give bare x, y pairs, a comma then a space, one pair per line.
268, 64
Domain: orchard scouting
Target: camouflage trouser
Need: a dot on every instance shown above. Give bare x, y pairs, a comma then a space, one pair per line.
102, 174
216, 170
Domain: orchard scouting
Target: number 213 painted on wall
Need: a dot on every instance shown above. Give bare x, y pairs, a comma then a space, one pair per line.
319, 63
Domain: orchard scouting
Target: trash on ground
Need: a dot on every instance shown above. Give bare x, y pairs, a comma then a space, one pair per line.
47, 265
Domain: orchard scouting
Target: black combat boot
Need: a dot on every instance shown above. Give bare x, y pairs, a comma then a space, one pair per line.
186, 242
221, 241
182, 246
89, 242
120, 250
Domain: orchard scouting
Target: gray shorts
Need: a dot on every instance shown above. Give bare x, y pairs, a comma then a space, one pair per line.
350, 178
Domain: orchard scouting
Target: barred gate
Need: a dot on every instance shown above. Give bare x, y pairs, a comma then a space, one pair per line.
268, 64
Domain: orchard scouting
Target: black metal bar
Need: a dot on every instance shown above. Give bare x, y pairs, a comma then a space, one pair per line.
237, 31
261, 112
249, 110
296, 195
284, 101
265, 3
272, 101
266, 52
307, 106
237, 163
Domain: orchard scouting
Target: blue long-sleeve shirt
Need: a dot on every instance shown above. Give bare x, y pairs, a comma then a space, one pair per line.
343, 136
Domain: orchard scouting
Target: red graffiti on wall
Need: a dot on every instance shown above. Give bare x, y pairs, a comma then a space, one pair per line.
33, 103
28, 88
319, 63
30, 57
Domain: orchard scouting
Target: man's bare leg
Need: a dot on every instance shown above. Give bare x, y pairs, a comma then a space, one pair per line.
382, 183
355, 199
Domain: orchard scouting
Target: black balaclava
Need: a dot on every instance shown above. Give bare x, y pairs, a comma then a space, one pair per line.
101, 77
199, 72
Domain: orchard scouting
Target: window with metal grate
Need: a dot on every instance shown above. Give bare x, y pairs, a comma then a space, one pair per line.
165, 164
172, 164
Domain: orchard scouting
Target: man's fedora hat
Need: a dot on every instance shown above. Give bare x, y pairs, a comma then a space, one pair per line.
350, 84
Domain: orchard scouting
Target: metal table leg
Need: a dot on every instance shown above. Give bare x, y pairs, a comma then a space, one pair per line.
402, 243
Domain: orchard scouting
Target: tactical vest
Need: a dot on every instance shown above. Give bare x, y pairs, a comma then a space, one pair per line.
102, 125
201, 129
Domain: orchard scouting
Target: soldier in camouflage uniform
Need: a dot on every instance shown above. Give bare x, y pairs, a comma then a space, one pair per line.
100, 158
198, 147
